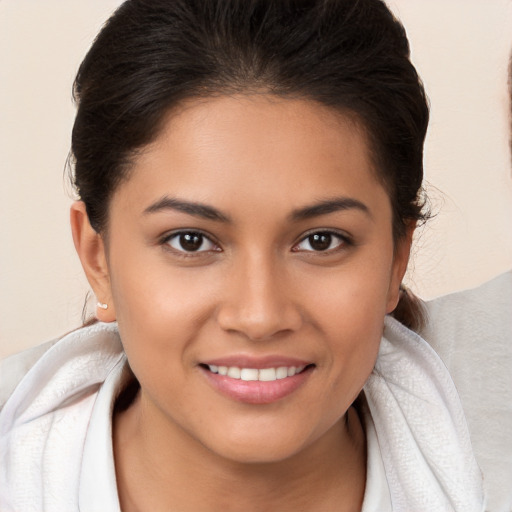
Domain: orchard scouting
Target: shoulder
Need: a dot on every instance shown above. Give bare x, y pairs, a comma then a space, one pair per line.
418, 417
50, 393
42, 364
14, 368
471, 331
482, 314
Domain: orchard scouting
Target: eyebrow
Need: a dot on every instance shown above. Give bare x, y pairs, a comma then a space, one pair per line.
192, 208
210, 213
329, 206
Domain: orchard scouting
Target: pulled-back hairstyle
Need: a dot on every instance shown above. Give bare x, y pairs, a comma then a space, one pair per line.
350, 55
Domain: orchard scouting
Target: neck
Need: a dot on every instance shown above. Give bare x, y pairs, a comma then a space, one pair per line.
164, 469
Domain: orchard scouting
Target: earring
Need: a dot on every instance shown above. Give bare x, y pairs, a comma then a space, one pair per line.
102, 305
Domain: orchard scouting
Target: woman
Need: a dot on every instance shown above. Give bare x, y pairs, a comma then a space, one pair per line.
249, 176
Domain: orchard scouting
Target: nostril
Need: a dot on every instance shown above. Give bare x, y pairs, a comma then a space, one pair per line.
259, 324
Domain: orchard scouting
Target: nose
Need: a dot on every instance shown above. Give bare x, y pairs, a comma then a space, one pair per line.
258, 302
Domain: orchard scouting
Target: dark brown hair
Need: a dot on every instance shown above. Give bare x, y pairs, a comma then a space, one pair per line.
351, 55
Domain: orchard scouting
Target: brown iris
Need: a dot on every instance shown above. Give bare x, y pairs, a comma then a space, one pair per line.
191, 241
320, 241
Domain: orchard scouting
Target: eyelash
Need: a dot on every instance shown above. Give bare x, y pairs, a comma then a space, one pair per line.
344, 242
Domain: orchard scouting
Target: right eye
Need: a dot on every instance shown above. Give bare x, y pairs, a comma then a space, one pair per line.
190, 241
322, 241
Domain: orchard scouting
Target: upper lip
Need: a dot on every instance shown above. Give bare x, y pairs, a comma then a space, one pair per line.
256, 362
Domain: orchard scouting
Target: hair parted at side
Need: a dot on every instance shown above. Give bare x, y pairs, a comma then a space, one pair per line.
151, 55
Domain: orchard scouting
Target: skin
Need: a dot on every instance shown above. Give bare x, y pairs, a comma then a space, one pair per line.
257, 288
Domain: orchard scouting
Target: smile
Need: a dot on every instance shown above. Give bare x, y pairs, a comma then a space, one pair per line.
251, 385
253, 374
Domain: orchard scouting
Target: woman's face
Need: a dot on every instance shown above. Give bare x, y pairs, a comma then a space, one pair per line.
252, 238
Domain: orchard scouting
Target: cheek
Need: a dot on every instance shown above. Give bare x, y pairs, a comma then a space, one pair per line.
349, 306
160, 310
353, 297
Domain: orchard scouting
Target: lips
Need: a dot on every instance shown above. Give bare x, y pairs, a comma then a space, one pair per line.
256, 381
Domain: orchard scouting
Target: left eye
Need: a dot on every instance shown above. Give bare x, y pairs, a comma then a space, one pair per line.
320, 242
190, 241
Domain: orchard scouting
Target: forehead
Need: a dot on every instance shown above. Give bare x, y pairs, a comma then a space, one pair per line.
256, 147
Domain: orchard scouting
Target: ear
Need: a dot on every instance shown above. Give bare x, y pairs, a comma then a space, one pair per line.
400, 261
91, 250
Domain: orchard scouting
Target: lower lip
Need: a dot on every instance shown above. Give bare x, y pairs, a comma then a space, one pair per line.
255, 391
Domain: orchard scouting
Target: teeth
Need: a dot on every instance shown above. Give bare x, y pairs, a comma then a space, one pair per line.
267, 374
234, 372
263, 375
282, 372
249, 374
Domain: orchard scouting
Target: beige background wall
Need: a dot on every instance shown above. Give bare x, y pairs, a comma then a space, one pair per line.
460, 47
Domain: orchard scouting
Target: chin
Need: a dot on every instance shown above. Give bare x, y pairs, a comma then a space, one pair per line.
259, 452
261, 445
